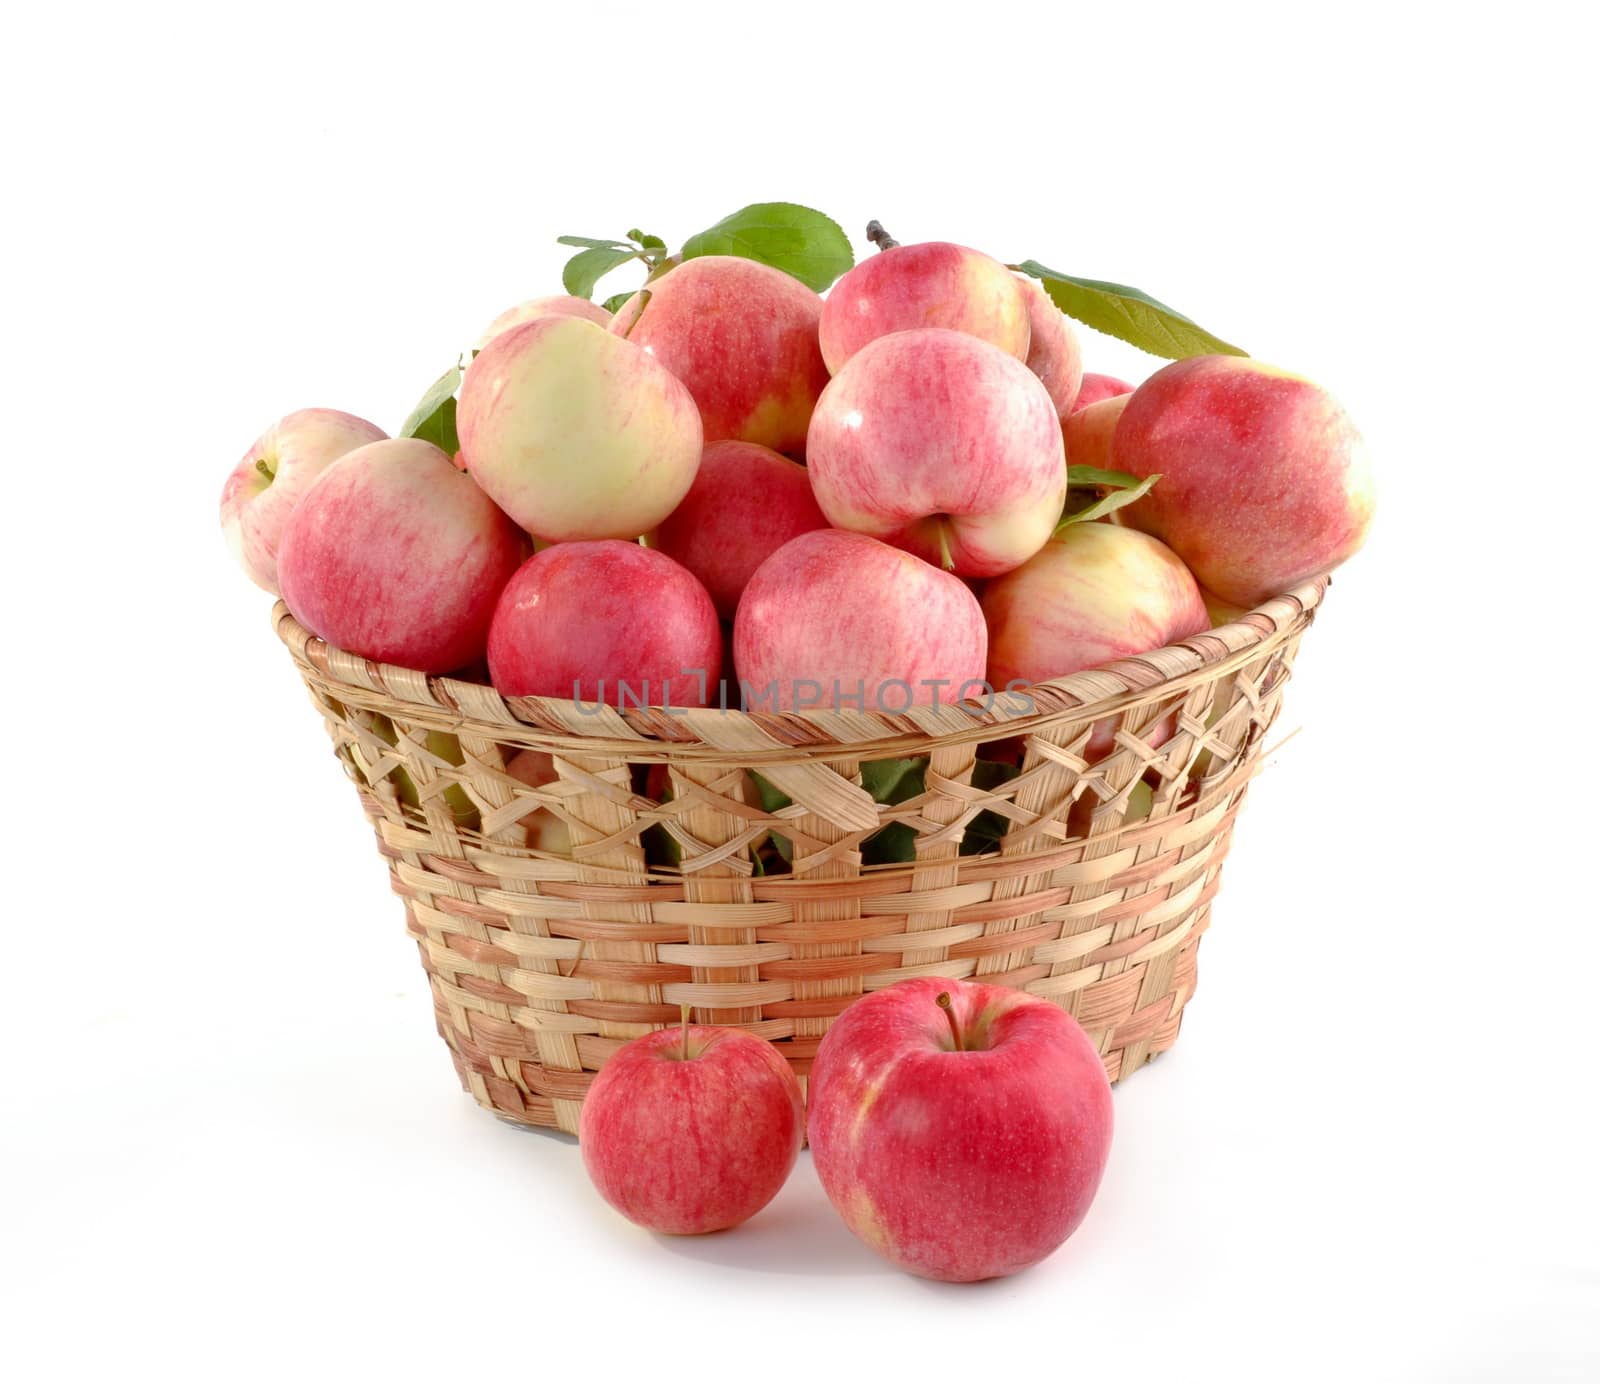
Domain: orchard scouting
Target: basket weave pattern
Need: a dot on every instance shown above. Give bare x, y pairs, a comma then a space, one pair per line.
542, 965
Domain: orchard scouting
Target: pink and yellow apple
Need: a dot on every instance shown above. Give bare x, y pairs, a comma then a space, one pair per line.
1097, 387
1088, 432
1265, 482
943, 445
263, 489
836, 618
1053, 351
542, 829
1097, 593
746, 502
690, 1130
961, 1130
554, 305
394, 555
606, 622
934, 284
576, 433
742, 337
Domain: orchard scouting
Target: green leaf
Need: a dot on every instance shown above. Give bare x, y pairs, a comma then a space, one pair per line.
893, 780
795, 239
616, 300
588, 267
649, 242
434, 417
587, 243
772, 797
1093, 475
985, 830
1128, 315
1106, 503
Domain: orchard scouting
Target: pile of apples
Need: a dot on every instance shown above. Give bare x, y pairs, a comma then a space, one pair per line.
733, 490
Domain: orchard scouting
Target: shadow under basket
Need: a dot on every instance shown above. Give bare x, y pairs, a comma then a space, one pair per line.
572, 875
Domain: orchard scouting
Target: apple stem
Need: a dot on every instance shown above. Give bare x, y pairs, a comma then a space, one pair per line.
683, 1029
880, 237
945, 560
261, 466
948, 1006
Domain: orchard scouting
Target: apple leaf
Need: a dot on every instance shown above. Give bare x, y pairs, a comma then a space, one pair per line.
1093, 475
586, 268
985, 830
1114, 499
648, 242
590, 243
616, 300
795, 239
434, 417
1128, 315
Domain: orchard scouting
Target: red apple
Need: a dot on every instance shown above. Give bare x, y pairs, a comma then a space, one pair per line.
690, 1130
1088, 432
1097, 387
837, 618
746, 502
395, 555
576, 433
1265, 481
743, 337
542, 830
1053, 351
1097, 593
943, 445
606, 622
934, 284
263, 489
960, 1129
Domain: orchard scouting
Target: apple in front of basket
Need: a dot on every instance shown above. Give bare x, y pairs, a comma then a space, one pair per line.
959, 1129
692, 1129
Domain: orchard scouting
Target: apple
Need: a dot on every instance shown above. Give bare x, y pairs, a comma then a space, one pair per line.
1088, 432
692, 1129
934, 284
394, 555
576, 433
1265, 482
1097, 387
1221, 612
606, 622
263, 489
1053, 351
742, 337
554, 305
943, 445
746, 502
542, 829
836, 618
1097, 593
960, 1129
438, 743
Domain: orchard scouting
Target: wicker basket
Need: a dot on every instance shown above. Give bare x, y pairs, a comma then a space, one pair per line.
542, 964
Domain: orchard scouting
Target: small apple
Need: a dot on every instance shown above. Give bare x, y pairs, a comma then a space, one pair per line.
542, 829
746, 502
1088, 432
1097, 387
960, 1129
836, 618
943, 445
1097, 593
1265, 481
606, 622
1053, 351
394, 555
689, 1130
263, 489
934, 284
576, 433
554, 305
742, 336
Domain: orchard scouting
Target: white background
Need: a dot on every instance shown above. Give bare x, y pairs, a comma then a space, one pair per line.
231, 1145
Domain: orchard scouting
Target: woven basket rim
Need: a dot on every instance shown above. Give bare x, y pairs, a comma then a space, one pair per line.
449, 703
